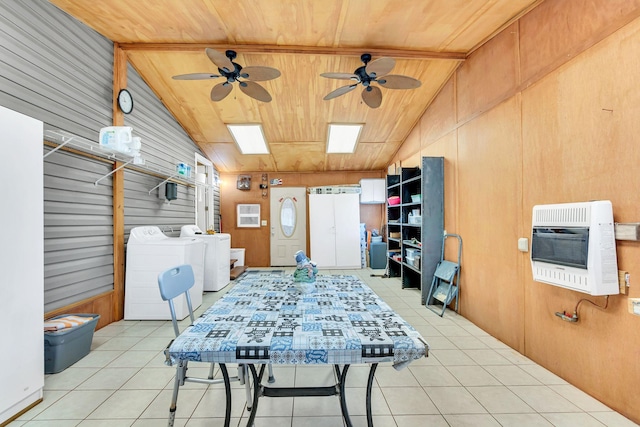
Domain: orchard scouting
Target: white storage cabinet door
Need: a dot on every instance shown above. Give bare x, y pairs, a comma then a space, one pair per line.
334, 230
347, 230
322, 230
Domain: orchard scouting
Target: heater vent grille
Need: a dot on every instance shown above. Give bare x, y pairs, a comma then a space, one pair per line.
577, 216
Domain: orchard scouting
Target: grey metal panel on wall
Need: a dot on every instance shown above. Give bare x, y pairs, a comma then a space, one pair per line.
143, 208
164, 144
164, 141
54, 68
78, 233
58, 70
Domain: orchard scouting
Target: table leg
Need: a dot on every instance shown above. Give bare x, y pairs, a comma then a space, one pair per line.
256, 392
372, 373
247, 384
342, 380
227, 389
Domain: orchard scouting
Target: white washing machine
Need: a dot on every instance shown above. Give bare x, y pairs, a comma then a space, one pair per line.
149, 253
217, 256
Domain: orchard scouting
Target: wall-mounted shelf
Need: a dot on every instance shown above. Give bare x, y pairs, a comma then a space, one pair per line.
67, 139
627, 231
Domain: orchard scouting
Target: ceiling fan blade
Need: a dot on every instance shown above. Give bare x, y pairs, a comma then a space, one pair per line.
341, 76
372, 96
255, 91
196, 76
340, 91
380, 66
399, 82
220, 91
259, 74
220, 60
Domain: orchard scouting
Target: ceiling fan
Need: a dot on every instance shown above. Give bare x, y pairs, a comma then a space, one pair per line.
372, 71
234, 72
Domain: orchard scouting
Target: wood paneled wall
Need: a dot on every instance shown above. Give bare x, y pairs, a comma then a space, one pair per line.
256, 241
546, 112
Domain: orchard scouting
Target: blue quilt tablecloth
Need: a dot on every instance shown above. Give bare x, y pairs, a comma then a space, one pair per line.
265, 318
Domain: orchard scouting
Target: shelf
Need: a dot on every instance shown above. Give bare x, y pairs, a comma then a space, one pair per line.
411, 245
393, 180
67, 139
411, 267
429, 231
411, 204
410, 180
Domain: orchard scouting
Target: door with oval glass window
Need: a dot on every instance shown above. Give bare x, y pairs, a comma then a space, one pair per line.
288, 224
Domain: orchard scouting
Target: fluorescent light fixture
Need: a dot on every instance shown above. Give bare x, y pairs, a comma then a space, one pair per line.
249, 138
343, 137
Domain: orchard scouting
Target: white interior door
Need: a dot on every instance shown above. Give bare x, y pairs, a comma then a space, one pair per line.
204, 193
288, 224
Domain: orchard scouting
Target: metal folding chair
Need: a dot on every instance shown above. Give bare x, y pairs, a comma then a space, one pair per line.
172, 283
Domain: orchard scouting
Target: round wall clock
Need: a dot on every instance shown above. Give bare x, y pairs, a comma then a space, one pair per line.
125, 101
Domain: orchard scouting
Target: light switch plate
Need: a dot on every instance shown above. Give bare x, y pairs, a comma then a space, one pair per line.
264, 222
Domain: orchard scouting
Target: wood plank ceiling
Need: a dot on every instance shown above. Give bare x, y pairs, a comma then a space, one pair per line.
428, 39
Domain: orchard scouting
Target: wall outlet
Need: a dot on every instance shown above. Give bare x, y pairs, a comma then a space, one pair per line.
264, 222
634, 306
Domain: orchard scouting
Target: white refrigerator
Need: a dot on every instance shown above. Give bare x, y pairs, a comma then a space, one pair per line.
21, 263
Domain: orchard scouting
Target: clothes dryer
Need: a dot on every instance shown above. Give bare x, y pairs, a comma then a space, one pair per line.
149, 253
217, 256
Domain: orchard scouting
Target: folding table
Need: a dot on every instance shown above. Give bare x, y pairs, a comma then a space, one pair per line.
267, 318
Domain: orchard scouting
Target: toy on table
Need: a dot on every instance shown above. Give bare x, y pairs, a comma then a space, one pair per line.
306, 269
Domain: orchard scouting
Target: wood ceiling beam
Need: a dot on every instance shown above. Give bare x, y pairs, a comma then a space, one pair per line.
295, 50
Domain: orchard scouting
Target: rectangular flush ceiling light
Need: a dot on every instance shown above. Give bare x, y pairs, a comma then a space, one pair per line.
249, 138
343, 137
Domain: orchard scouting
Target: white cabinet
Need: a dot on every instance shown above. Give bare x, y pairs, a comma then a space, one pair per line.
22, 264
334, 230
373, 190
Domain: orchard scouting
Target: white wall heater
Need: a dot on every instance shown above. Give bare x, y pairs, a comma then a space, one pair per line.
573, 246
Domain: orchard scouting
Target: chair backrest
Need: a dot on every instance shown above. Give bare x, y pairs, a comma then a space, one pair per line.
174, 282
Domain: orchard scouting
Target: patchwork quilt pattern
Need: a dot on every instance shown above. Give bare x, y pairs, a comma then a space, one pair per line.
265, 318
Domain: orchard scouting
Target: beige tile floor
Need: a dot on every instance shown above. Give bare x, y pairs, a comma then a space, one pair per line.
469, 379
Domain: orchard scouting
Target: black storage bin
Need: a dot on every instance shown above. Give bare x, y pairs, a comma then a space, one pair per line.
378, 255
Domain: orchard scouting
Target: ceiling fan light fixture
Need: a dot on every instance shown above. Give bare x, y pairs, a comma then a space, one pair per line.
249, 138
342, 138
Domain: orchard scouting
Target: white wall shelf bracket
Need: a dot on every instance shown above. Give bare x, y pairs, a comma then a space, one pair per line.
113, 171
68, 140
